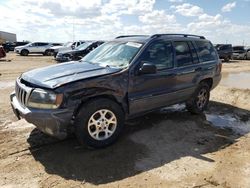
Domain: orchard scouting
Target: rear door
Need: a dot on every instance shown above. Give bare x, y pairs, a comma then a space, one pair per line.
41, 47
187, 68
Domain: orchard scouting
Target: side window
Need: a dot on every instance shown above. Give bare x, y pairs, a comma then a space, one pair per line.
41, 44
160, 54
34, 44
183, 54
206, 51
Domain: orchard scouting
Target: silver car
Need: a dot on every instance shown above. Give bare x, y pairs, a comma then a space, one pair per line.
33, 48
241, 52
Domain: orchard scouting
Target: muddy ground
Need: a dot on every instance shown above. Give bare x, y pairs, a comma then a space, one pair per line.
167, 148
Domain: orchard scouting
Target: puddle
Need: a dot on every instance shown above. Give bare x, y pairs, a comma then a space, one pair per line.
6, 84
229, 121
239, 80
174, 108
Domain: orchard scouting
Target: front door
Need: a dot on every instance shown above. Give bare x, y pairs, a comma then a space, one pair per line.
151, 91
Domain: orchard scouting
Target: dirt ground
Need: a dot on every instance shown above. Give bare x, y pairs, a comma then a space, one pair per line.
168, 148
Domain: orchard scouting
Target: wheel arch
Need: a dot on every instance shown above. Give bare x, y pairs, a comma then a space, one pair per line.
101, 96
208, 81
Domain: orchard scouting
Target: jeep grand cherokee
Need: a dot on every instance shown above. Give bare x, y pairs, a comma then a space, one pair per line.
121, 79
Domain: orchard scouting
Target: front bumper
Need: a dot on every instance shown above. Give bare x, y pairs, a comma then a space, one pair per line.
17, 51
52, 122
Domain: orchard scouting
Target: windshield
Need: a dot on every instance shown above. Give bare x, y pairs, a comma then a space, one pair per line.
113, 54
29, 44
67, 44
83, 46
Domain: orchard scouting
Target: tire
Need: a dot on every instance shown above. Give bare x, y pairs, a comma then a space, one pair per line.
91, 128
196, 104
46, 53
24, 52
226, 59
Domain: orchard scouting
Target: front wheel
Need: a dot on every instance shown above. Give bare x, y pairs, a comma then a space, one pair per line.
99, 123
24, 52
199, 101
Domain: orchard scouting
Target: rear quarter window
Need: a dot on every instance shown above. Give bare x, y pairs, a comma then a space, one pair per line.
206, 51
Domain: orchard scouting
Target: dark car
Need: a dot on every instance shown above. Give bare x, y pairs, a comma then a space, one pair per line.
121, 79
225, 51
10, 46
2, 52
239, 52
79, 52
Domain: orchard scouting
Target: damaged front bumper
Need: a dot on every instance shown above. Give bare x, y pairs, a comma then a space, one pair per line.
56, 122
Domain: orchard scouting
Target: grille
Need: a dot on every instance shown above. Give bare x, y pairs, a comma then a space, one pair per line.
21, 94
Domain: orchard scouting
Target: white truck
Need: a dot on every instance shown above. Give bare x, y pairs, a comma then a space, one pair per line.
65, 47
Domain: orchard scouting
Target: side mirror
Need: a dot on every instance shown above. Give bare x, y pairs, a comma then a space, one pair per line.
147, 68
73, 47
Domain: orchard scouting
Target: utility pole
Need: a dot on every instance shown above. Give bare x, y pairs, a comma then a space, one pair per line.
73, 32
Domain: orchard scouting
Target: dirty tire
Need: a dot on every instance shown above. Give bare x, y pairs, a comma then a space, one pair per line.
24, 52
197, 104
84, 123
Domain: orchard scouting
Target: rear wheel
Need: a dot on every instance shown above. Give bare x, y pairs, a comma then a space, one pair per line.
99, 123
46, 53
24, 52
199, 101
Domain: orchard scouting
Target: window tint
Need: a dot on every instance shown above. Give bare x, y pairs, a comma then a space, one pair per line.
205, 50
160, 54
183, 53
42, 44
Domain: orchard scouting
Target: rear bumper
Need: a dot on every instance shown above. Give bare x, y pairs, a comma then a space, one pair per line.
52, 122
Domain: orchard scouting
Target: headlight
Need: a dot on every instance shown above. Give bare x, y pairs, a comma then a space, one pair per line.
40, 98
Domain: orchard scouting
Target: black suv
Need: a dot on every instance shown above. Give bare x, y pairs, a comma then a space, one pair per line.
79, 52
119, 80
8, 46
225, 51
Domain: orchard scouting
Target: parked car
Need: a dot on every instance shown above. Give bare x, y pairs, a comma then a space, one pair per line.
119, 80
66, 46
9, 46
225, 51
2, 52
33, 48
79, 52
239, 52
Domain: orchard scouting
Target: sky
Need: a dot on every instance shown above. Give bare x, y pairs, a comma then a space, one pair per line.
220, 21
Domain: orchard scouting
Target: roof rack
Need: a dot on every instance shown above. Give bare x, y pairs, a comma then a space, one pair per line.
124, 36
171, 34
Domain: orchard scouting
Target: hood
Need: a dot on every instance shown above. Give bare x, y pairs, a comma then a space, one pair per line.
21, 46
56, 75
